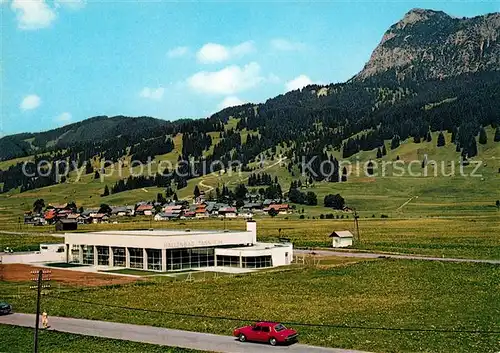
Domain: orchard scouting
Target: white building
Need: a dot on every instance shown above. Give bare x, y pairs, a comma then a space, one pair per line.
341, 239
170, 250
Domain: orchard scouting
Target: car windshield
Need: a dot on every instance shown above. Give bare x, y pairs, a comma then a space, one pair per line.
279, 327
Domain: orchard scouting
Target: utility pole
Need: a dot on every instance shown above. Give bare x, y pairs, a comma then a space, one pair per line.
356, 216
37, 322
39, 279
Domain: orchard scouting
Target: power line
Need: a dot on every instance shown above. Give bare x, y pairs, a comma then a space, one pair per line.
305, 324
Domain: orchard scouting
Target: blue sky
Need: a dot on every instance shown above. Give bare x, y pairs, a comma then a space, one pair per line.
67, 60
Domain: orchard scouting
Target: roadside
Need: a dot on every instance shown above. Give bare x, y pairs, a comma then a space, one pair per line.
161, 336
378, 255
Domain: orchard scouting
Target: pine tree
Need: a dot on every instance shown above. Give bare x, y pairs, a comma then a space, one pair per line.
384, 150
454, 135
497, 135
441, 140
395, 142
106, 191
379, 153
483, 138
196, 191
429, 136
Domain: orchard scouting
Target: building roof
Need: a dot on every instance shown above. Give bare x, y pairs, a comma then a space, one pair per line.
227, 209
144, 208
164, 232
279, 206
100, 215
342, 234
73, 216
67, 221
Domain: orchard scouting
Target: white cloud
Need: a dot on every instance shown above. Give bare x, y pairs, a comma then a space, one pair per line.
286, 45
298, 83
30, 102
70, 4
64, 117
272, 78
152, 93
230, 101
227, 81
33, 14
177, 52
213, 52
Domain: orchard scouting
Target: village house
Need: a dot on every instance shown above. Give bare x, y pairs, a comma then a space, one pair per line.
99, 218
122, 211
201, 211
188, 214
162, 216
228, 212
144, 210
281, 208
341, 239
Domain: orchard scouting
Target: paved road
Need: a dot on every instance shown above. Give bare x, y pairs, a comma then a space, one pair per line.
161, 336
370, 255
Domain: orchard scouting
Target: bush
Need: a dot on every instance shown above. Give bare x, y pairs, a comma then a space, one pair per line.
322, 216
302, 216
335, 201
384, 216
329, 216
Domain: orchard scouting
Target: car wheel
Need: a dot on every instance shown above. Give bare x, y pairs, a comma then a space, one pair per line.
272, 341
242, 337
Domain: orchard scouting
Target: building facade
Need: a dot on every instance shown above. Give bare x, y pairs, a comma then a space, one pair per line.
170, 250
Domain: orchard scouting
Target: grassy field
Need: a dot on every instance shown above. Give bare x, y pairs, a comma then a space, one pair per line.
452, 236
25, 242
387, 300
20, 340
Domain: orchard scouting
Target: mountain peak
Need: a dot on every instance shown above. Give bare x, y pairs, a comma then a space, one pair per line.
431, 44
417, 15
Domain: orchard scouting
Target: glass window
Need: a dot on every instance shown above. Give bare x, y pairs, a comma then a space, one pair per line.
88, 254
119, 259
136, 258
103, 255
182, 259
266, 329
256, 328
228, 261
279, 327
257, 261
154, 259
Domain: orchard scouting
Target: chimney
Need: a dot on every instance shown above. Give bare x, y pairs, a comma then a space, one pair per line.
252, 227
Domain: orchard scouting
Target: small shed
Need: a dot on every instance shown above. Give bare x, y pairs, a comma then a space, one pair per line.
66, 224
341, 238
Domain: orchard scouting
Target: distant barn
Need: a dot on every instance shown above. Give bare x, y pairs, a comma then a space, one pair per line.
341, 238
66, 224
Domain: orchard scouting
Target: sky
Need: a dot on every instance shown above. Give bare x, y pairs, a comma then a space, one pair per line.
64, 61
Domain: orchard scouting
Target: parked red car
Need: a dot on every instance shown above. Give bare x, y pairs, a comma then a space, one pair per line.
272, 332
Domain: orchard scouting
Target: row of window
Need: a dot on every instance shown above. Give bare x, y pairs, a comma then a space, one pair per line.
177, 259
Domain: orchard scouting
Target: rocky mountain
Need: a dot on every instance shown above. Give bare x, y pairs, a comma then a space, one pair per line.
429, 44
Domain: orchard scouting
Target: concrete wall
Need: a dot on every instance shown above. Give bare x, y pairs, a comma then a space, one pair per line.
338, 242
190, 240
34, 257
282, 254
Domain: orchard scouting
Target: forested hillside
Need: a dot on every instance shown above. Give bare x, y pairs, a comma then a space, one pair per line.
348, 117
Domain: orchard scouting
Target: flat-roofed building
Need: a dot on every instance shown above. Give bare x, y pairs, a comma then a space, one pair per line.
172, 250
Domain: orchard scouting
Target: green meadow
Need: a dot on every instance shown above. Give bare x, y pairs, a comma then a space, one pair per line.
379, 306
20, 340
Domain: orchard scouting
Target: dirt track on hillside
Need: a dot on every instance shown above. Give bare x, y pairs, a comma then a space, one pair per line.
22, 273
